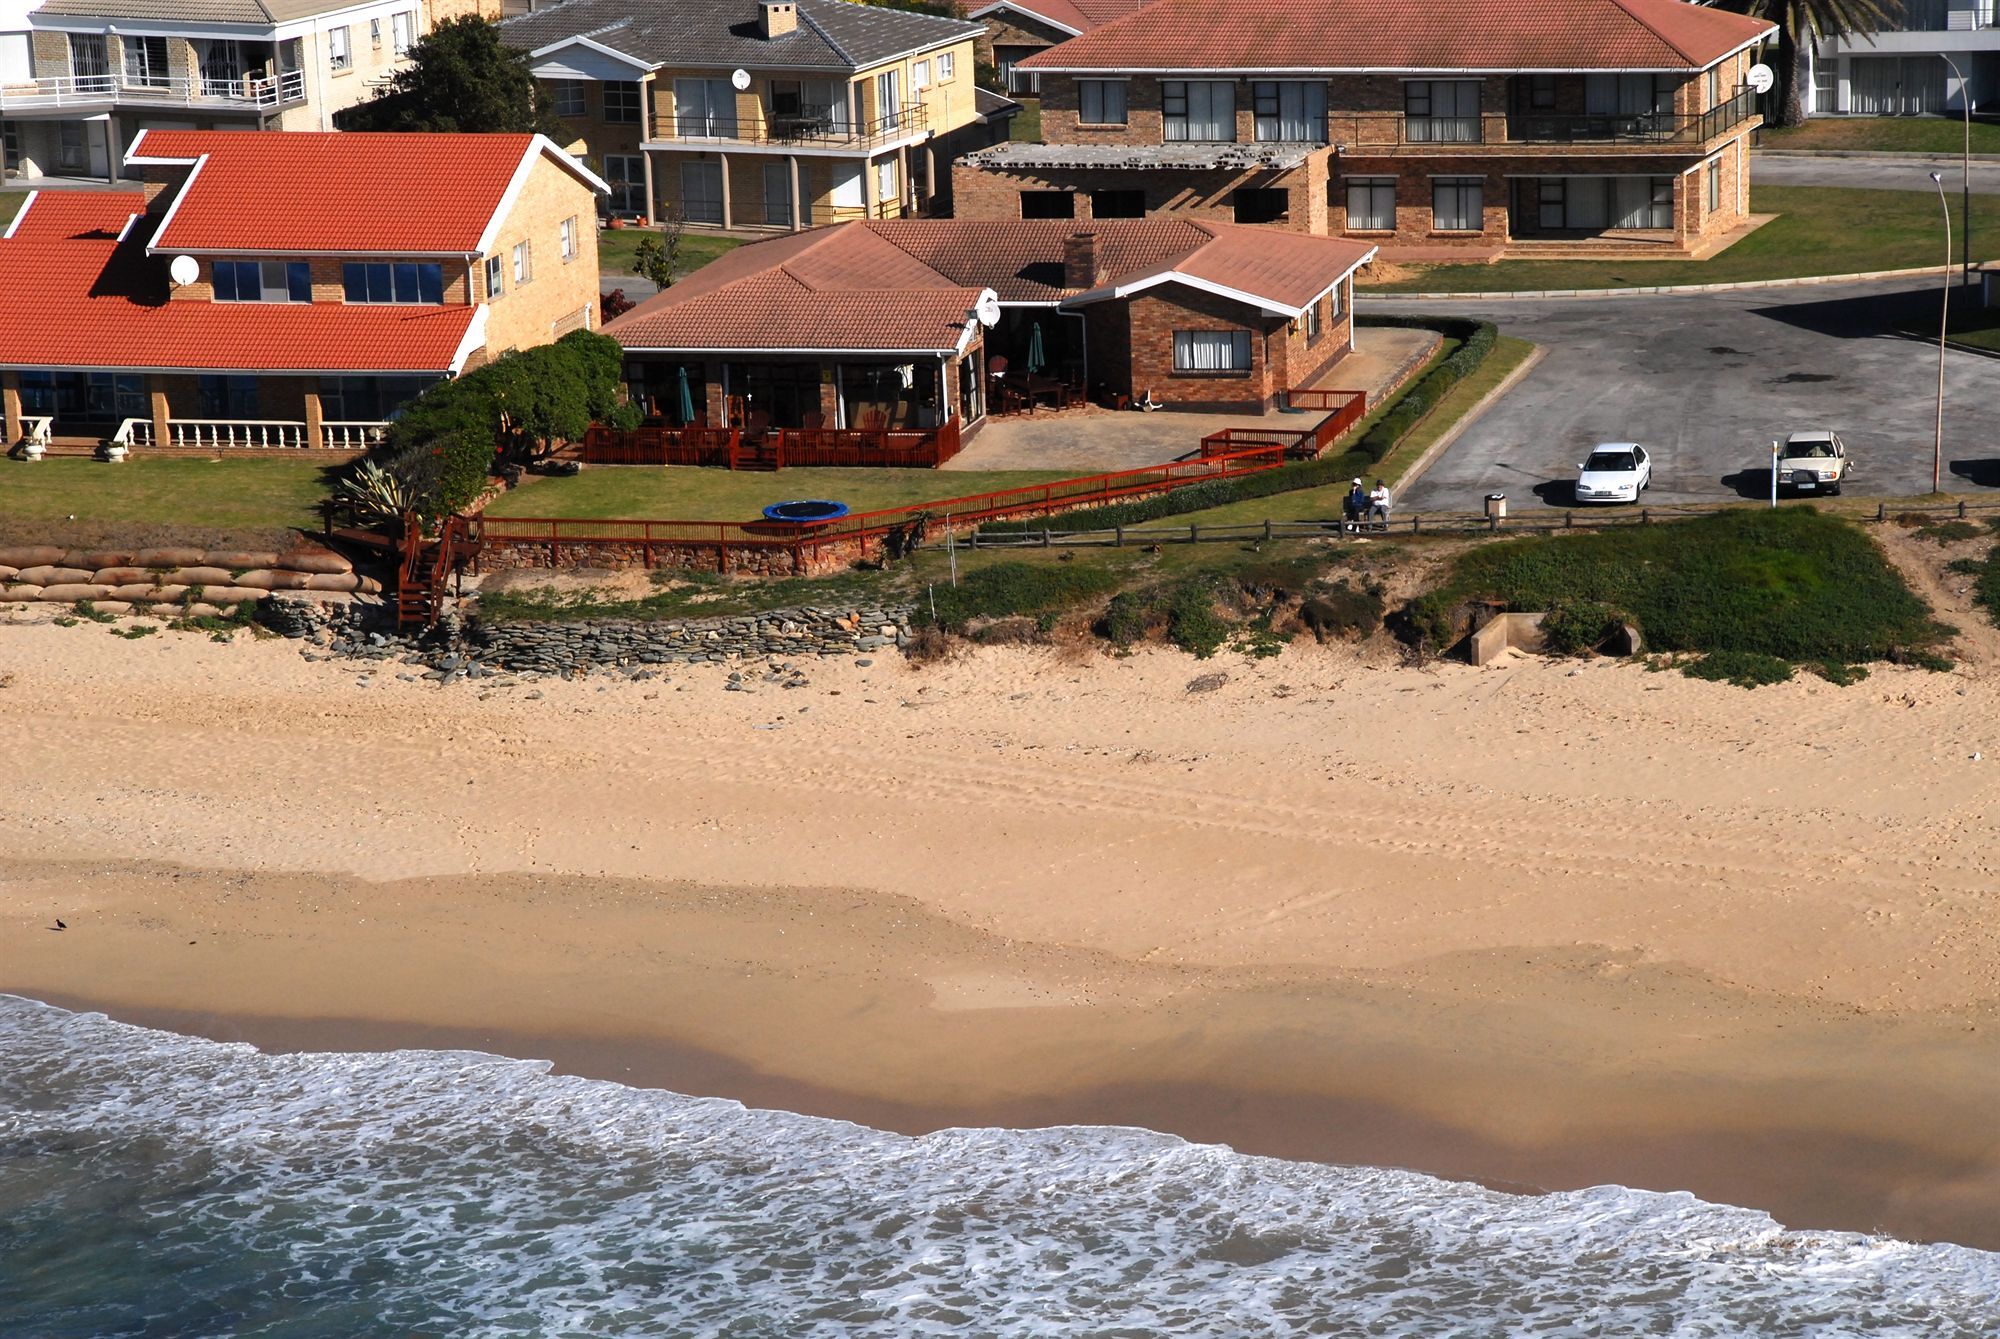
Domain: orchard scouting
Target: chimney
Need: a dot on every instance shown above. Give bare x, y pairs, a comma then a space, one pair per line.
1080, 268
775, 18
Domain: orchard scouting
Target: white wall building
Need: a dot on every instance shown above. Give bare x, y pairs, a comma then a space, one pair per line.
1903, 71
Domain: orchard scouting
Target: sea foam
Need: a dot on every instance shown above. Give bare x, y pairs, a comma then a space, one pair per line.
166, 1185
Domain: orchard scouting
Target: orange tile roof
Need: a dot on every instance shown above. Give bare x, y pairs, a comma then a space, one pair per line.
909, 285
77, 297
327, 192
1420, 35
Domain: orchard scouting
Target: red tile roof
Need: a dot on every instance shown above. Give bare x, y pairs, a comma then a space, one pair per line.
1078, 16
1421, 35
909, 285
78, 297
327, 192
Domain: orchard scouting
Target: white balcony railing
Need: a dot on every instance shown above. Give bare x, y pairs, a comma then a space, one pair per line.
253, 434
35, 428
99, 90
351, 434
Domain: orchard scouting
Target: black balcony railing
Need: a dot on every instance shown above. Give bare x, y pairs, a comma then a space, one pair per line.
1633, 127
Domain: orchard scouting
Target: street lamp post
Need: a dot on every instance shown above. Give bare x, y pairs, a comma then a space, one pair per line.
1944, 324
1965, 218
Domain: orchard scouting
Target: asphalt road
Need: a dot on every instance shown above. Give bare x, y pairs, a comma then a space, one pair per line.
1706, 381
1878, 174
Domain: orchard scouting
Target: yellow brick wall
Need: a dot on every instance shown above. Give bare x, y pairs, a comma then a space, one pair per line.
525, 316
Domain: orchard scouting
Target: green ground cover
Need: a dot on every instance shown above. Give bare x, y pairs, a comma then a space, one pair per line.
1755, 587
1026, 127
616, 247
1885, 134
1820, 230
610, 492
233, 493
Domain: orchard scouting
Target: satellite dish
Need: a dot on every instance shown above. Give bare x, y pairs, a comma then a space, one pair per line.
740, 80
1761, 78
987, 308
183, 270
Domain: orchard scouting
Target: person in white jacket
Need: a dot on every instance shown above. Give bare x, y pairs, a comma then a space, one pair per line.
1378, 505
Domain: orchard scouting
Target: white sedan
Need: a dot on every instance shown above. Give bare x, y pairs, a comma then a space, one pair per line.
1615, 472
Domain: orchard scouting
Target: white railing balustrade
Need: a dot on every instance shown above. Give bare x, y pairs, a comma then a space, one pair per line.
236, 432
36, 428
351, 434
134, 432
78, 90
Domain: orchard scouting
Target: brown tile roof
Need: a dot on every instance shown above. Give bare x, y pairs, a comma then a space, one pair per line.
910, 284
1422, 35
1078, 16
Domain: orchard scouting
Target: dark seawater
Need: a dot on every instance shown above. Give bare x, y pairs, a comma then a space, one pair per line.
153, 1184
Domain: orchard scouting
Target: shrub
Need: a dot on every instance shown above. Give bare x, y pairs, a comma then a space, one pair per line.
1571, 629
1126, 618
1420, 399
1745, 669
1192, 622
1013, 590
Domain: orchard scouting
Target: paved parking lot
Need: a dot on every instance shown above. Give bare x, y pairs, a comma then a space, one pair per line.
1707, 380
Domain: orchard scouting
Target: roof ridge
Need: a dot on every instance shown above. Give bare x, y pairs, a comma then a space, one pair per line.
1664, 40
869, 226
806, 15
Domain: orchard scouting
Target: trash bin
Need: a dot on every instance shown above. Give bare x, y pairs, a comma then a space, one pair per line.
1496, 506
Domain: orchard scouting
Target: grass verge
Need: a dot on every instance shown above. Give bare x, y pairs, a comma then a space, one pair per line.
1970, 326
1885, 134
228, 493
685, 491
1819, 230
616, 248
1793, 585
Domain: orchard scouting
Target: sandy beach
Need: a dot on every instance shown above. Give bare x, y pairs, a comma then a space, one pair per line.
1545, 924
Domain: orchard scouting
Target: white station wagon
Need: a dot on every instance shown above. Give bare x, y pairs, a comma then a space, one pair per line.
1813, 462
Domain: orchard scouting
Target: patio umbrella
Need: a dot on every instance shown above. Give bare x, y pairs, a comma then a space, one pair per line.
1037, 357
687, 397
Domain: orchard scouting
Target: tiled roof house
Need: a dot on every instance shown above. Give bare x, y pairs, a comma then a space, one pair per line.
98, 72
188, 312
1581, 127
775, 114
1018, 29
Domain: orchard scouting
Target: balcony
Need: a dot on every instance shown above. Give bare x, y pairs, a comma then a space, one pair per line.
98, 92
1365, 131
809, 128
239, 434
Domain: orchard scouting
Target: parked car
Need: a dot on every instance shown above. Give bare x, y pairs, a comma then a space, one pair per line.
1615, 472
1813, 462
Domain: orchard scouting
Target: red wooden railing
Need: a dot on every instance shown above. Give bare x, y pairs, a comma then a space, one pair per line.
773, 448
861, 527
1348, 409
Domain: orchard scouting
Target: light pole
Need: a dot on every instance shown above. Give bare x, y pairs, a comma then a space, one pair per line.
1965, 219
1944, 324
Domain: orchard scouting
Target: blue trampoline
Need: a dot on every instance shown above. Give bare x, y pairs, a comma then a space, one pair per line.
811, 512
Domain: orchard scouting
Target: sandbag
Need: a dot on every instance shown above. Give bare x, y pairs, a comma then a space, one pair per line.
201, 576
369, 586
121, 576
73, 591
96, 558
198, 611
169, 557
149, 594
30, 555
272, 579
46, 575
7, 573
328, 581
232, 594
317, 562
117, 607
240, 559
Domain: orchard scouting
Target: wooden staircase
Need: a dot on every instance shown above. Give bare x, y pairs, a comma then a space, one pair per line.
426, 568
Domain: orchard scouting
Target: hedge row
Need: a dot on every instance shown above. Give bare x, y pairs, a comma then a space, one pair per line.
1478, 337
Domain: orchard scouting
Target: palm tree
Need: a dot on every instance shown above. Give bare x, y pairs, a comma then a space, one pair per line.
1803, 24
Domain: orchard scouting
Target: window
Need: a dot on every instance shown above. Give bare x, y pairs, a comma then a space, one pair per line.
885, 181
621, 102
625, 173
1048, 204
1595, 203
368, 399
920, 75
392, 281
1312, 322
262, 281
566, 96
946, 64
1198, 111
87, 57
1714, 86
572, 247
375, 33
1118, 204
1199, 351
495, 289
227, 396
701, 192
1371, 204
888, 100
146, 62
1628, 95
778, 194
1290, 112
1714, 185
1439, 111
847, 186
524, 263
402, 29
1333, 307
703, 108
1261, 204
1826, 85
1458, 204
1541, 92
1100, 102
338, 57
99, 396
787, 98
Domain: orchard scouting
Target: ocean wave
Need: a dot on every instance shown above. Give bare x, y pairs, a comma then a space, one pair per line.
158, 1184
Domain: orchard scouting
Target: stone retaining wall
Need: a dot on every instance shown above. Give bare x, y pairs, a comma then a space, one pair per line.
693, 556
192, 581
616, 643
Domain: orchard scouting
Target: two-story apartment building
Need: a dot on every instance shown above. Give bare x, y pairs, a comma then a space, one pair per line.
779, 114
286, 290
1907, 69
1478, 129
101, 71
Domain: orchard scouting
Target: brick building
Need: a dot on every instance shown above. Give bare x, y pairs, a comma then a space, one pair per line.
1018, 29
1589, 127
190, 313
101, 71
882, 326
781, 114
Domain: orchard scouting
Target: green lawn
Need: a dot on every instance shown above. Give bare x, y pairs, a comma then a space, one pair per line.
616, 247
1026, 127
10, 204
1886, 134
236, 493
1819, 231
625, 492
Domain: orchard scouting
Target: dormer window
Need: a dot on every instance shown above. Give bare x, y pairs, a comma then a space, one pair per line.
379, 281
263, 281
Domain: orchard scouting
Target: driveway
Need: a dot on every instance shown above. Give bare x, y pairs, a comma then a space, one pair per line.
1872, 174
1708, 380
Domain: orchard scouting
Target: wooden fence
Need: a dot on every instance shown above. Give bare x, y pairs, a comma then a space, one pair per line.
772, 448
1347, 408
